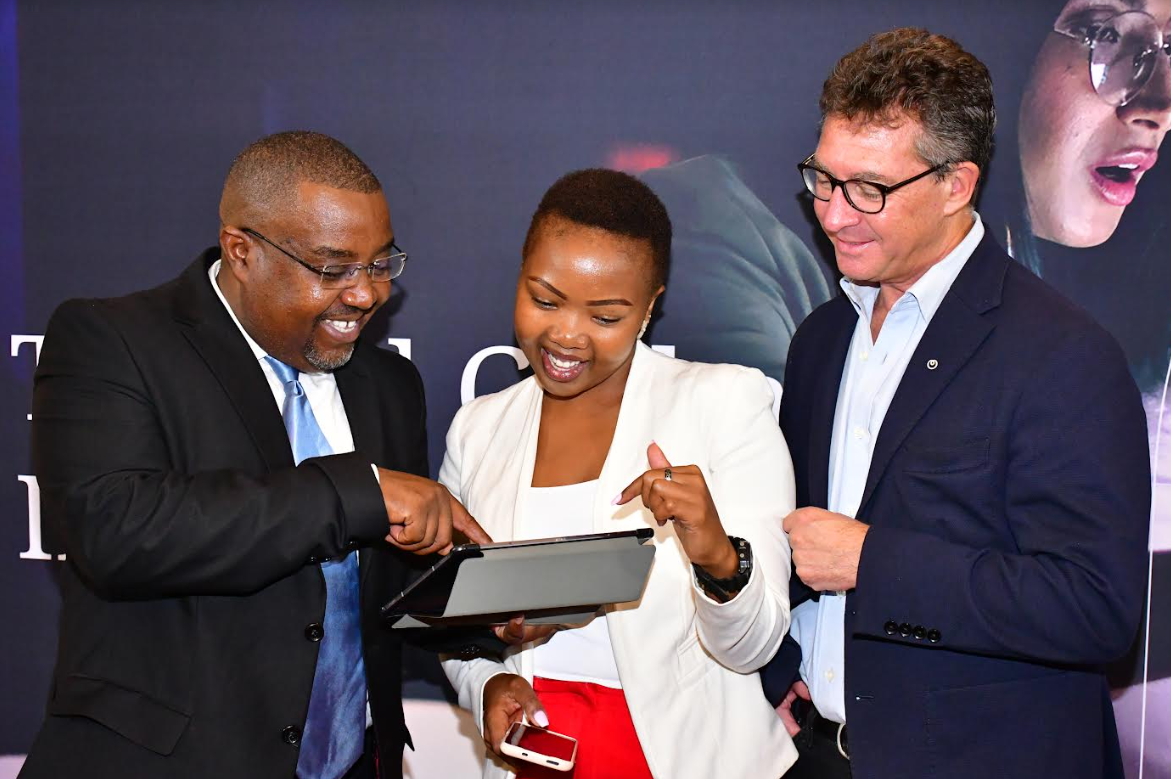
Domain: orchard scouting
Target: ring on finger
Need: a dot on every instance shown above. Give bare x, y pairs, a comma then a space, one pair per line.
667, 474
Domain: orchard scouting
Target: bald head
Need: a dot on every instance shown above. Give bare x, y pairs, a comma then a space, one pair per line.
264, 177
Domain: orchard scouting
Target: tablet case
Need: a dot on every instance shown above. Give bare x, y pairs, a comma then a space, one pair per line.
550, 580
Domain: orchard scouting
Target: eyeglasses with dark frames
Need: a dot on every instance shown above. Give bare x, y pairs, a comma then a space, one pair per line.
869, 197
346, 274
1122, 49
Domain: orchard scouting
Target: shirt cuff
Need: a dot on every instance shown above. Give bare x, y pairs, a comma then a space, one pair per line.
377, 478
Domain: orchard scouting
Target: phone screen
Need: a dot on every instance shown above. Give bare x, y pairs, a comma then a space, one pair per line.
541, 741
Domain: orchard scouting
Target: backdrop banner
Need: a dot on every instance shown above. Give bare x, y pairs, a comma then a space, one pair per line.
118, 121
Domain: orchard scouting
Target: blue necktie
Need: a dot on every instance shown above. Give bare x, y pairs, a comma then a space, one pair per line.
335, 728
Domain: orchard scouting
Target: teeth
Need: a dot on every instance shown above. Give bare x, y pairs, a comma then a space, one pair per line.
563, 364
1129, 166
1117, 173
344, 326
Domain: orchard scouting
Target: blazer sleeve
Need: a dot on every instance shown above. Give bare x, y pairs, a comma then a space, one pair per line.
135, 526
750, 476
805, 351
467, 676
1076, 497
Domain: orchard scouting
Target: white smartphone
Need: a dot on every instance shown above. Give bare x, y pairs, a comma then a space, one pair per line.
540, 746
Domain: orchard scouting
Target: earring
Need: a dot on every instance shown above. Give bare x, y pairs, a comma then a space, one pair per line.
642, 330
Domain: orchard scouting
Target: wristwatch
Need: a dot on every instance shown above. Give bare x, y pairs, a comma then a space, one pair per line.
723, 590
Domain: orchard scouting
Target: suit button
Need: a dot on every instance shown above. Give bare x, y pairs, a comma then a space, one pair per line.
891, 627
905, 630
291, 735
312, 560
920, 632
314, 632
934, 636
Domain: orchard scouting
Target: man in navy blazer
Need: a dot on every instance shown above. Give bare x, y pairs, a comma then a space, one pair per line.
970, 453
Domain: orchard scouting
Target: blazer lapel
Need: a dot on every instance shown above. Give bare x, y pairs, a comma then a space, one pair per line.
633, 433
496, 486
953, 336
356, 387
825, 403
214, 335
523, 460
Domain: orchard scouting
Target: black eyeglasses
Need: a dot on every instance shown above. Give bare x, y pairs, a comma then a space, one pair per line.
346, 274
1123, 49
869, 197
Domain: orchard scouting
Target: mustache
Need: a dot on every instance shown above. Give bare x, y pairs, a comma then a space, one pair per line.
342, 312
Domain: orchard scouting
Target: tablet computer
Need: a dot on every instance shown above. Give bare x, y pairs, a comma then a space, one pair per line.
549, 580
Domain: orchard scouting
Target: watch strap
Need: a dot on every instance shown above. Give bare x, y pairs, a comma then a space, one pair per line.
723, 590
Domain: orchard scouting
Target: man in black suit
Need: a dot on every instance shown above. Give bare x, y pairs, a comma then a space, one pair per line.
218, 453
973, 483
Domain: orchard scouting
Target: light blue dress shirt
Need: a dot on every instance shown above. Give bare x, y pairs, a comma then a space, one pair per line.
871, 375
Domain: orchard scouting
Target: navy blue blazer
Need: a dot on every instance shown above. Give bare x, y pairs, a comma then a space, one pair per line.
1008, 501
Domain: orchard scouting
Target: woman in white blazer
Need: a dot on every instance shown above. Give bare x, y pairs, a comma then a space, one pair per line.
666, 686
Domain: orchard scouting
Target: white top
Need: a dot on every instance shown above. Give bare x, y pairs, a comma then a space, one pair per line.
872, 373
583, 654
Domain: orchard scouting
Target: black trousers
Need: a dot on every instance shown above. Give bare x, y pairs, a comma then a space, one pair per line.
817, 747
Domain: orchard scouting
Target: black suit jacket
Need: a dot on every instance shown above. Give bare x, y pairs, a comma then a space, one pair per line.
186, 647
1008, 500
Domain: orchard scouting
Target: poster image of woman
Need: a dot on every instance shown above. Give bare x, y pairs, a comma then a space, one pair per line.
1088, 215
1093, 116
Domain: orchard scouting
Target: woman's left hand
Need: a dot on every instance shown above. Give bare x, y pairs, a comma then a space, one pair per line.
680, 495
516, 633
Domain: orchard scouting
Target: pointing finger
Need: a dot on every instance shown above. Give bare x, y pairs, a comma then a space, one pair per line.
628, 494
467, 524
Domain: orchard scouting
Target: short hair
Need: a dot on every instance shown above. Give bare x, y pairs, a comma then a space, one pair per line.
264, 176
910, 71
612, 201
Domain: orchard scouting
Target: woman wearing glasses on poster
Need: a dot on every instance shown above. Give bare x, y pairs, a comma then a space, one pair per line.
609, 435
1086, 209
1093, 115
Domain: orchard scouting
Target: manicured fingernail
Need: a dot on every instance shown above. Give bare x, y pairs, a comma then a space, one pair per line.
541, 718
616, 499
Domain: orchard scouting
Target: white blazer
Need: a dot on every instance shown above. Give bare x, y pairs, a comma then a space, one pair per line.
687, 663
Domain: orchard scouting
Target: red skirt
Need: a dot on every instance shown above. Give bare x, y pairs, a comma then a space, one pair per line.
597, 716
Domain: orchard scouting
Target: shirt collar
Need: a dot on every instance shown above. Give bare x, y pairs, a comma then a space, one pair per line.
213, 273
929, 291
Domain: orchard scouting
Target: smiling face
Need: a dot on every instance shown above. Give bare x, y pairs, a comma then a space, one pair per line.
1081, 158
921, 221
281, 303
581, 300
